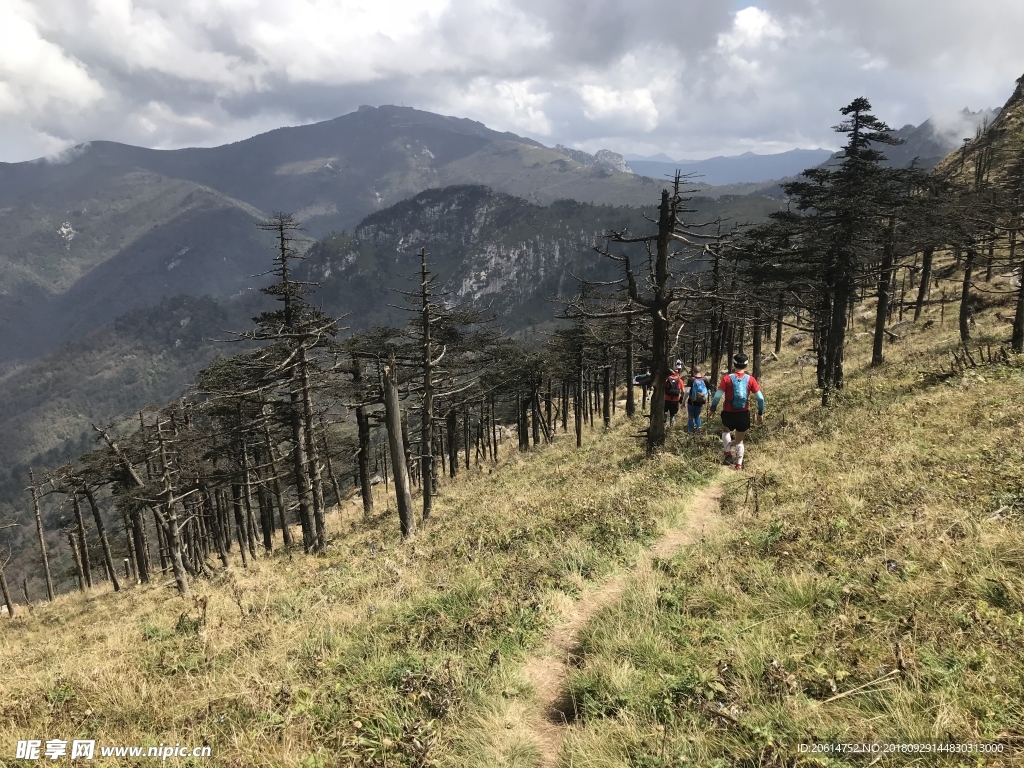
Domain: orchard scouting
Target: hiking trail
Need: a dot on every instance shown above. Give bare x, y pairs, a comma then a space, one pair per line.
548, 668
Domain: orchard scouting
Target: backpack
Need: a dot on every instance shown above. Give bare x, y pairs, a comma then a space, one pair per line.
698, 392
739, 391
672, 386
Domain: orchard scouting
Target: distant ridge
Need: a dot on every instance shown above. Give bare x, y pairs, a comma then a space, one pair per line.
106, 227
738, 169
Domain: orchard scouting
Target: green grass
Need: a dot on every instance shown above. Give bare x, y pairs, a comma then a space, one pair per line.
867, 585
861, 591
379, 654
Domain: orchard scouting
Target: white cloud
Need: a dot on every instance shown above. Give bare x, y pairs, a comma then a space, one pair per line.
35, 74
632, 107
751, 27
687, 77
515, 105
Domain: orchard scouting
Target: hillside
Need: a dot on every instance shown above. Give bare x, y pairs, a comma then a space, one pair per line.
861, 582
997, 148
106, 228
491, 250
77, 254
928, 144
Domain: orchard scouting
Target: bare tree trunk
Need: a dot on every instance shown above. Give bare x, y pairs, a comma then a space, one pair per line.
83, 544
237, 503
282, 507
548, 413
885, 277
440, 447
161, 544
466, 432
659, 313
778, 326
755, 342
427, 411
493, 433
330, 466
606, 404
312, 456
615, 384
170, 523
835, 339
250, 519
7, 594
1017, 340
393, 419
451, 426
363, 426
535, 413
39, 530
579, 406
213, 524
300, 466
101, 530
407, 445
141, 542
266, 509
965, 297
133, 554
630, 396
78, 561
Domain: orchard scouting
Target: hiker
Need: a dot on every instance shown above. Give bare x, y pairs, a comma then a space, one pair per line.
736, 388
643, 380
696, 399
673, 393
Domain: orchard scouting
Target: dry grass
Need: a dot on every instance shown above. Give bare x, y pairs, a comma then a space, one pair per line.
379, 653
867, 590
864, 589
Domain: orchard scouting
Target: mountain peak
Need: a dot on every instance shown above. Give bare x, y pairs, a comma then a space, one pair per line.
603, 159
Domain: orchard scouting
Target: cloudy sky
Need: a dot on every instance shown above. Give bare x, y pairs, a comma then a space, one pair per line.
692, 78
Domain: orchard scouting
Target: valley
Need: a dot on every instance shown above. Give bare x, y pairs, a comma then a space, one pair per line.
352, 444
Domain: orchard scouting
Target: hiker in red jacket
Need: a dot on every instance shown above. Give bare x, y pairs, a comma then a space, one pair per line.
674, 386
736, 389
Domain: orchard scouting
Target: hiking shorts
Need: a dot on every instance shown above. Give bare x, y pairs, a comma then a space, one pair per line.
671, 407
738, 421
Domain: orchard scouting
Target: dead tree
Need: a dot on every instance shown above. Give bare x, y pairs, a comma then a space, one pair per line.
393, 411
654, 294
42, 540
83, 544
101, 532
3, 585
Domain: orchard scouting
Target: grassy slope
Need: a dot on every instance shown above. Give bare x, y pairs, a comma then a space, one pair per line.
864, 558
381, 653
871, 541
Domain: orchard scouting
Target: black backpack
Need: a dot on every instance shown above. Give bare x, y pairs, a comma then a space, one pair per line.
672, 386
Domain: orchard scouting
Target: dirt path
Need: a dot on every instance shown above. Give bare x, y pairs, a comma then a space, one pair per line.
548, 668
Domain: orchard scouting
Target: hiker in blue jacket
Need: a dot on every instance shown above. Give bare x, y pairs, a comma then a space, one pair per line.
696, 399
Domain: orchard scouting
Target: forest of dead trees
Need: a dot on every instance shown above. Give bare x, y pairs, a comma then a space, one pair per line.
307, 416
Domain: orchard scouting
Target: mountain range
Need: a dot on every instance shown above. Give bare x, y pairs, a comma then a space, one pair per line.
106, 228
496, 251
926, 144
119, 265
737, 169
